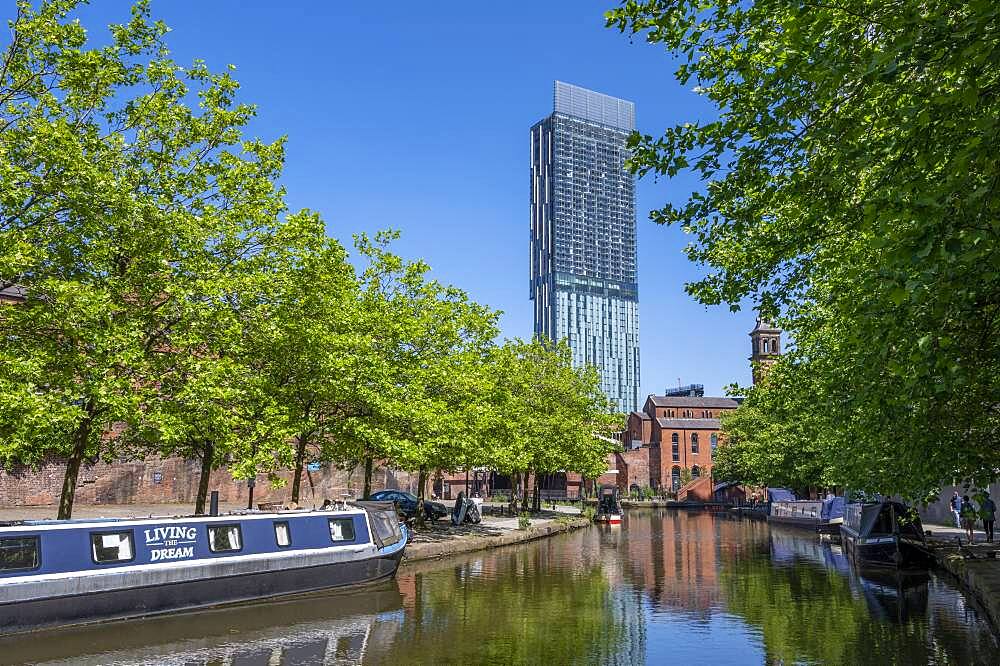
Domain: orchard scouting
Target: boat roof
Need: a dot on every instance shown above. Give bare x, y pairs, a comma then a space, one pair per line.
20, 525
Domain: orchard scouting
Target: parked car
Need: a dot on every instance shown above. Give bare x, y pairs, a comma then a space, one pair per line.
406, 504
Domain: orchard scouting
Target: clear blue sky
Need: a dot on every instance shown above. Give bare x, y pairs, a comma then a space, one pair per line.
416, 116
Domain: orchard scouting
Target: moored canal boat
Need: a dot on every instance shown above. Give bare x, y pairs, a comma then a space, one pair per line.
609, 507
76, 571
883, 534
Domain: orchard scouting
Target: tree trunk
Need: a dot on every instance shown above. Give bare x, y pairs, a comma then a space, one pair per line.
369, 463
537, 503
524, 488
300, 458
80, 439
207, 460
421, 483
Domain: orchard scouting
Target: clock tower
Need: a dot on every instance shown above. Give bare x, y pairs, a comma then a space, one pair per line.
765, 345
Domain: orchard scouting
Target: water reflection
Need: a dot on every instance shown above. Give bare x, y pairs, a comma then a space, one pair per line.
812, 607
666, 587
312, 629
515, 606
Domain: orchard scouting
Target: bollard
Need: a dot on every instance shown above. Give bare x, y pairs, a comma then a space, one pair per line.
214, 504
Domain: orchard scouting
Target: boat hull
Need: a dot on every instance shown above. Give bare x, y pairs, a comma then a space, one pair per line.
797, 521
124, 602
608, 519
883, 552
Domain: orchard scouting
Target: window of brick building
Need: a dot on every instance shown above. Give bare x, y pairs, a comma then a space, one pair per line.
694, 442
675, 449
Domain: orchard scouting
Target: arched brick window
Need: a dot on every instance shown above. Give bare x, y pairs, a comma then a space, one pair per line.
675, 478
675, 449
694, 442
715, 441
695, 472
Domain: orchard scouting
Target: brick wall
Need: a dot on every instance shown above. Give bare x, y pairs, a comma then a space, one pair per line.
155, 481
637, 468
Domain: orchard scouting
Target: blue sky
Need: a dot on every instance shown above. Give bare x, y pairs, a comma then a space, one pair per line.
416, 115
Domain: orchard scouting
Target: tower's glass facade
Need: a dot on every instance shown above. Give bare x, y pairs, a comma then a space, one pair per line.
583, 266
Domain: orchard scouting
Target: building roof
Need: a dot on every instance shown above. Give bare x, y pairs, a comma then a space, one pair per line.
12, 293
642, 415
689, 424
764, 326
687, 401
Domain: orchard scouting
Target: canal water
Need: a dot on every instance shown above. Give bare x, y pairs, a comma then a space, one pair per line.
666, 587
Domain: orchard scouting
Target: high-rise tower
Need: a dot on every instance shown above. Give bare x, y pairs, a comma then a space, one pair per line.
583, 264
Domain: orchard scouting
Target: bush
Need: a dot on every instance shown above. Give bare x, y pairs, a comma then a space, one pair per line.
589, 512
523, 521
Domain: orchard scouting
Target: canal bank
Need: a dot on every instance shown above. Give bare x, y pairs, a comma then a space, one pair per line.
491, 533
977, 571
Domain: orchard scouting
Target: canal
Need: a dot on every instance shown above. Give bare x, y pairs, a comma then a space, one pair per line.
667, 587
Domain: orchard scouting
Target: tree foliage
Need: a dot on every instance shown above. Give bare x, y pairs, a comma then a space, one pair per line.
850, 184
174, 306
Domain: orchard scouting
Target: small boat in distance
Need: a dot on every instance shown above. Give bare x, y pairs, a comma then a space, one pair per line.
61, 572
609, 507
883, 533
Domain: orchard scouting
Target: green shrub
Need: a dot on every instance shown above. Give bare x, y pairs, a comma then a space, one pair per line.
589, 512
523, 521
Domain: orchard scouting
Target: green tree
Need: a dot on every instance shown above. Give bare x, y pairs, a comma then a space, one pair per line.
543, 415
302, 335
121, 210
849, 184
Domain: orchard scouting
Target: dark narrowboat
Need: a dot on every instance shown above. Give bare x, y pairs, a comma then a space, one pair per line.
609, 507
883, 534
74, 571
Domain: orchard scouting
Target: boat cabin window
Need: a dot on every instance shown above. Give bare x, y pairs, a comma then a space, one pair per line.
386, 527
224, 538
282, 534
111, 547
18, 553
342, 529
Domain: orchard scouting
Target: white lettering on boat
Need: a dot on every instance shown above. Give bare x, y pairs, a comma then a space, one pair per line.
169, 543
171, 553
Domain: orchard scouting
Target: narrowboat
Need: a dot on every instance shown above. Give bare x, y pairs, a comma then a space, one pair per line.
609, 507
883, 533
820, 515
832, 514
76, 571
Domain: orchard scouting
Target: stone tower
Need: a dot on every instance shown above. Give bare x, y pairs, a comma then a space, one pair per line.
765, 344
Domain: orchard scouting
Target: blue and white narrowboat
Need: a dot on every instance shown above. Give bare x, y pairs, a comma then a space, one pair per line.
74, 571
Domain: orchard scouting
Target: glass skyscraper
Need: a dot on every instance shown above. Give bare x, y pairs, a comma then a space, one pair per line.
583, 264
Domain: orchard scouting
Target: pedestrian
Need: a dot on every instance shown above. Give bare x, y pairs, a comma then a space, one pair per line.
988, 512
956, 509
968, 513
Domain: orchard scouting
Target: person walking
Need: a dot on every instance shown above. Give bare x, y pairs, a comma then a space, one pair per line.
988, 512
968, 513
956, 509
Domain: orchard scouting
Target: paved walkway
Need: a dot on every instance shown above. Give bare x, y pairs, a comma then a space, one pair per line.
951, 532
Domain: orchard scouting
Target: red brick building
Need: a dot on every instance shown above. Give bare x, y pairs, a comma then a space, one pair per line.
669, 435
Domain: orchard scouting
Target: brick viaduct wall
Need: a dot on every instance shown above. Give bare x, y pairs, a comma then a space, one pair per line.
155, 480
